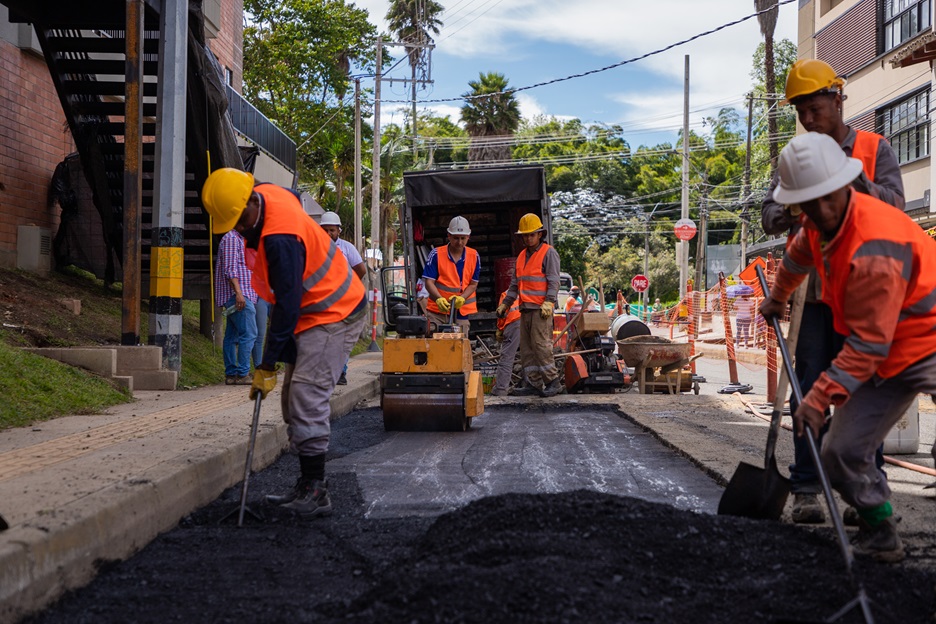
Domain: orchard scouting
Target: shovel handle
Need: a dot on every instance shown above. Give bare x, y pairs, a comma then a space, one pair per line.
254, 425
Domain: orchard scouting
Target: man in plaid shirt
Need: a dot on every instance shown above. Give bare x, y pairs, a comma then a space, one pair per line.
237, 297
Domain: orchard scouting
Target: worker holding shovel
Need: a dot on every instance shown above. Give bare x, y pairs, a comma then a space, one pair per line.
878, 274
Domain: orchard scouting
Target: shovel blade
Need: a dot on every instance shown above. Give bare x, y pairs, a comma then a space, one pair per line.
754, 492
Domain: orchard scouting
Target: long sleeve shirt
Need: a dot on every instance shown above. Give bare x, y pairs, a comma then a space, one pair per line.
550, 270
232, 264
886, 186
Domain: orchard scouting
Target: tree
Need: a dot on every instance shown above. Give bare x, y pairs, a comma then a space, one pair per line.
412, 21
490, 112
572, 241
767, 20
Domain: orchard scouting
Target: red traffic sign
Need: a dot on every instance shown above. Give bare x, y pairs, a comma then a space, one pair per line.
640, 283
685, 229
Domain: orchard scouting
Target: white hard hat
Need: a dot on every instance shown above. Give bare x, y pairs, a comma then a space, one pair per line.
330, 218
459, 227
813, 165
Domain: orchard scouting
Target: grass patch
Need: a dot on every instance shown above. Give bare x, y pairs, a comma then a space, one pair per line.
36, 388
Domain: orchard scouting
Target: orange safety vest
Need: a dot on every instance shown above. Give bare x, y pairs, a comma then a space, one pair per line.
332, 290
870, 230
449, 284
513, 312
531, 281
866, 149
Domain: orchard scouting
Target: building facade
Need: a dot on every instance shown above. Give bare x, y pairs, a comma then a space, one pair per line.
878, 47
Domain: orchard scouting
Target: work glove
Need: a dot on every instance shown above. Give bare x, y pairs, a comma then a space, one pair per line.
546, 310
458, 302
499, 335
263, 382
501, 311
443, 304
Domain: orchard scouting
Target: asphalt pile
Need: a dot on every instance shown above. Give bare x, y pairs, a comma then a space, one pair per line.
571, 557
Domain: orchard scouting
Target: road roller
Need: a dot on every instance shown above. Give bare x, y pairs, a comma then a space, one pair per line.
427, 382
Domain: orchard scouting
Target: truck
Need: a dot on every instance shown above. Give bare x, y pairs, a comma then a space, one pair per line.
492, 199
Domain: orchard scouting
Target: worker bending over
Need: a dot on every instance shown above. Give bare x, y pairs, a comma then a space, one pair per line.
508, 335
535, 284
319, 306
877, 269
815, 90
453, 270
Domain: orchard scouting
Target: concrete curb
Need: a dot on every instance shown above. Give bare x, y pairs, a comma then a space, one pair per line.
42, 560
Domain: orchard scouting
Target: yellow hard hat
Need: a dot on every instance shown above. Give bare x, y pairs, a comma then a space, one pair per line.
810, 76
530, 223
225, 196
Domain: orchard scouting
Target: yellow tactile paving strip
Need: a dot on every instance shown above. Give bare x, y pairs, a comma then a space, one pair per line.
39, 456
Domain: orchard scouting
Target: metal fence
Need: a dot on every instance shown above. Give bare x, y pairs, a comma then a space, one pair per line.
256, 127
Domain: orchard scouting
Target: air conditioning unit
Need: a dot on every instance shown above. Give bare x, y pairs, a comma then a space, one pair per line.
33, 248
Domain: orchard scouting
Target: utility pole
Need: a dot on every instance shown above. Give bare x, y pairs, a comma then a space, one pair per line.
702, 242
375, 183
358, 195
746, 185
682, 247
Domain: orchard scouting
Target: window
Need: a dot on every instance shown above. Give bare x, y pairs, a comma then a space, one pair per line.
228, 77
904, 20
906, 125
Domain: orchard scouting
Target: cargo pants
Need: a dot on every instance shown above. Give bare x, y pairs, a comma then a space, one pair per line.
508, 353
536, 354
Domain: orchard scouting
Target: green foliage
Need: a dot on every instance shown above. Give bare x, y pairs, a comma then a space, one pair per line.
36, 388
571, 241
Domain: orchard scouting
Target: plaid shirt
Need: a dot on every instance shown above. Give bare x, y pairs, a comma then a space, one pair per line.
231, 263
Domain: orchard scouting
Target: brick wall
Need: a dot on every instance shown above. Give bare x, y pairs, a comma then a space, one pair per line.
228, 46
34, 138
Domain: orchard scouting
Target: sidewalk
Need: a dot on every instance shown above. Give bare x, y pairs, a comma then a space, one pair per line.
80, 490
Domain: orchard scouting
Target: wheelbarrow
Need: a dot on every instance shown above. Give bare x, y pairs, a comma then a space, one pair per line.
645, 354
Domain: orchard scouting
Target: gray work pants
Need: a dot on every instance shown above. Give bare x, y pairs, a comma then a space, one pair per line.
859, 427
321, 353
508, 353
437, 319
536, 355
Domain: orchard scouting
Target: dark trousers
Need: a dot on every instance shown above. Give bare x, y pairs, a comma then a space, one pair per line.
816, 347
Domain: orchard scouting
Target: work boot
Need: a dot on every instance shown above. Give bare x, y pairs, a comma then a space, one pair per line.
343, 380
288, 497
312, 500
525, 391
499, 392
553, 388
246, 380
851, 517
806, 509
880, 543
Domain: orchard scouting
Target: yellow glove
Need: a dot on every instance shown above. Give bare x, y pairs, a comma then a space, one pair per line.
499, 335
546, 309
443, 304
501, 311
263, 382
458, 302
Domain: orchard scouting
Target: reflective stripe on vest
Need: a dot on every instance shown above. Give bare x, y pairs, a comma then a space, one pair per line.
449, 284
866, 149
331, 289
532, 285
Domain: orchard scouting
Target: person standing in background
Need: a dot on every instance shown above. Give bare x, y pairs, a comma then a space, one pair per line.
263, 311
235, 295
744, 315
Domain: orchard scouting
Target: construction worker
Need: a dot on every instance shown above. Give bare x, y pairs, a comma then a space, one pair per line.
331, 223
815, 90
535, 284
451, 277
319, 306
574, 299
508, 335
878, 273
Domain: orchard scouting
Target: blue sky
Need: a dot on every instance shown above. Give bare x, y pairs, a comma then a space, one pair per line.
533, 41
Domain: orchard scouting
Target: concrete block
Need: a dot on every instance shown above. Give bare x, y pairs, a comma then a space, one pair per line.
155, 380
72, 305
138, 358
97, 360
124, 381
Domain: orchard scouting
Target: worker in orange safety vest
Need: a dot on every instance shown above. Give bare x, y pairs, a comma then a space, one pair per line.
508, 335
451, 277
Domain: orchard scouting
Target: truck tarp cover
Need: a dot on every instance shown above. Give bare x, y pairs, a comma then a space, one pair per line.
474, 186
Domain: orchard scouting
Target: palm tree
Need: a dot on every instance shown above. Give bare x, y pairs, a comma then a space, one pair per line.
412, 21
497, 115
767, 19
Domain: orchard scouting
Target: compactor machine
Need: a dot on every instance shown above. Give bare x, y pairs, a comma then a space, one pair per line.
427, 383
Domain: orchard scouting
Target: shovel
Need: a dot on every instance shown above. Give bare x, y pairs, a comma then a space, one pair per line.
761, 493
254, 425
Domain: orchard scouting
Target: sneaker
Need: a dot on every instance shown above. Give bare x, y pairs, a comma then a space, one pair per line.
229, 381
525, 391
288, 497
880, 543
851, 517
554, 388
807, 510
242, 381
343, 380
311, 500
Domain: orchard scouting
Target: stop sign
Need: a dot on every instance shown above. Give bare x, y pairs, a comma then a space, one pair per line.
640, 283
685, 229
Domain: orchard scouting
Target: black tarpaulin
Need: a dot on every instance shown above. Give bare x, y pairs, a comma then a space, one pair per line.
507, 184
